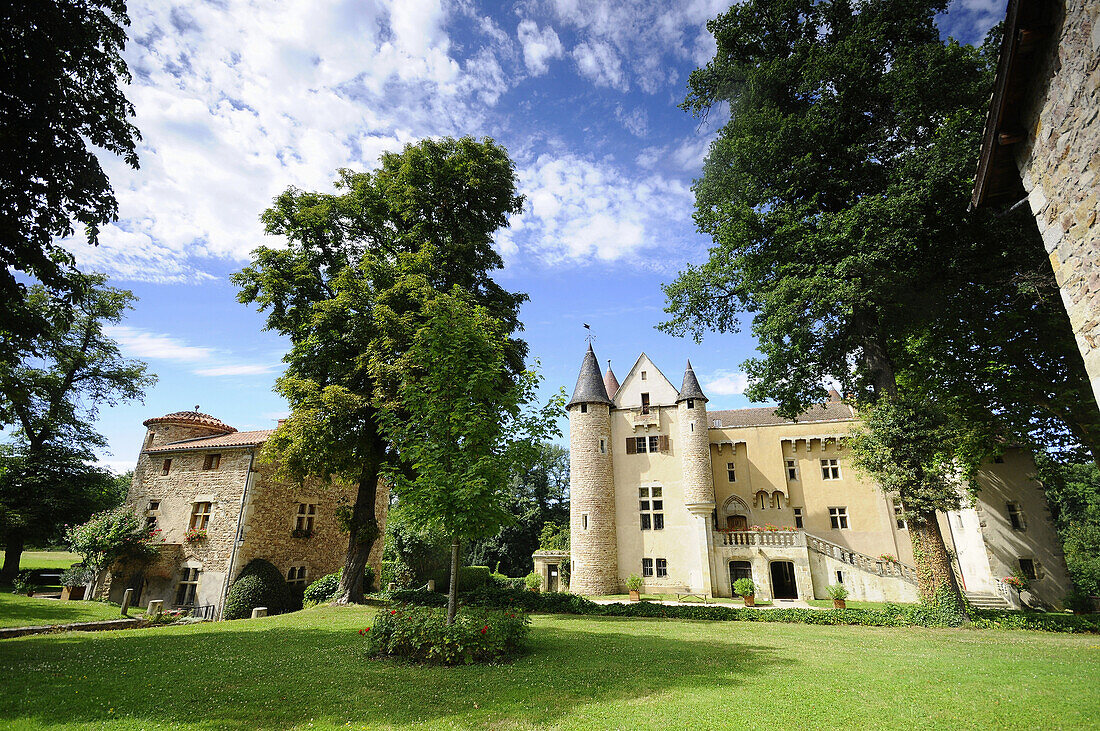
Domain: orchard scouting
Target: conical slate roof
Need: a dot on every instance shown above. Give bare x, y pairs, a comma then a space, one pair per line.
691, 388
590, 388
610, 383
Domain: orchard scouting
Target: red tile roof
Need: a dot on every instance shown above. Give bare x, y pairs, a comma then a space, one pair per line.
236, 440
191, 417
766, 416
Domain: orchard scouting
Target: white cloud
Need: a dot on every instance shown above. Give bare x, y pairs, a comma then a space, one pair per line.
204, 361
725, 383
635, 121
599, 62
539, 47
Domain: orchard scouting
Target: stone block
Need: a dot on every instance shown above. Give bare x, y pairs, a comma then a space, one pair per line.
155, 608
259, 612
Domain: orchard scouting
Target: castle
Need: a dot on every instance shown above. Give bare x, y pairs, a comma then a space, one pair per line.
200, 483
692, 500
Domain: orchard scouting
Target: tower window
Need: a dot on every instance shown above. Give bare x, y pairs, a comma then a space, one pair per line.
899, 515
1016, 516
603, 446
691, 403
584, 522
830, 469
584, 408
792, 470
762, 500
165, 467
651, 508
798, 518
731, 472
838, 518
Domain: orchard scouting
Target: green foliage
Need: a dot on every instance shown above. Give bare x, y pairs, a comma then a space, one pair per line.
837, 591
744, 587
417, 554
1073, 493
533, 581
554, 537
259, 584
112, 535
323, 589
23, 582
423, 635
77, 576
634, 583
469, 578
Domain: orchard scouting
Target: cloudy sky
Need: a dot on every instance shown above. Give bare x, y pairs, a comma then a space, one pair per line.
238, 100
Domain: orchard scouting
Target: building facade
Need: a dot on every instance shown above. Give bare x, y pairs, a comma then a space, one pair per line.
691, 500
199, 482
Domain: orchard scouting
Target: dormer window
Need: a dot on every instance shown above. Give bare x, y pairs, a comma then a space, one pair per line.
645, 402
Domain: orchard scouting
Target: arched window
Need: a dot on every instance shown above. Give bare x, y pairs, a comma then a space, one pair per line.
762, 500
777, 500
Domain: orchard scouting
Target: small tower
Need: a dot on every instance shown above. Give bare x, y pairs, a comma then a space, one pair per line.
592, 537
696, 476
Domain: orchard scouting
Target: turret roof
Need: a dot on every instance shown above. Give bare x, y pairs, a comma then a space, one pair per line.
610, 383
691, 388
590, 387
195, 418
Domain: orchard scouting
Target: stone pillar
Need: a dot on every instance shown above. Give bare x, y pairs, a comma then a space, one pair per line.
126, 599
259, 612
155, 608
701, 514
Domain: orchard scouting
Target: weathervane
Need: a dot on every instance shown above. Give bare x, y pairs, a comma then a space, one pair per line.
590, 337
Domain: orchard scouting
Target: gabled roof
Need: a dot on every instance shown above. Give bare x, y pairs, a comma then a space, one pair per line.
590, 388
235, 440
655, 384
691, 388
194, 418
766, 416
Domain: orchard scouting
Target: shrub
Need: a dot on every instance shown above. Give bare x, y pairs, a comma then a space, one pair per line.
469, 578
422, 635
259, 584
111, 535
559, 602
532, 581
634, 583
744, 587
23, 582
77, 576
500, 581
326, 587
837, 591
422, 597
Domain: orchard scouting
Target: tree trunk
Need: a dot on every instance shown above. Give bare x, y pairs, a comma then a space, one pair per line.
452, 594
361, 537
936, 579
13, 551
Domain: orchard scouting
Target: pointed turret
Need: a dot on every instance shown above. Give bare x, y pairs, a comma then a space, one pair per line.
610, 383
691, 388
590, 387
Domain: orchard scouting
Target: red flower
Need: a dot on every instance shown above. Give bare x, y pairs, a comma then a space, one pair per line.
364, 631
484, 629
393, 611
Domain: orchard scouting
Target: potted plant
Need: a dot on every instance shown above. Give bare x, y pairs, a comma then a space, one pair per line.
74, 582
746, 590
195, 534
301, 533
533, 582
634, 586
23, 583
888, 558
838, 594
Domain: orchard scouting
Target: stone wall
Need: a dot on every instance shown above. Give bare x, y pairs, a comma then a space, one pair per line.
1060, 164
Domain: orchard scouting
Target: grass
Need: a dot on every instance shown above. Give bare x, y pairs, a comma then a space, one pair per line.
17, 610
47, 560
308, 670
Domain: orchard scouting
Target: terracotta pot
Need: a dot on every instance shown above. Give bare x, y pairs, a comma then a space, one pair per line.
72, 593
750, 600
635, 596
839, 604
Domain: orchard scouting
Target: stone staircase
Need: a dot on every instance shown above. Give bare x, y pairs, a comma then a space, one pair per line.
984, 600
862, 561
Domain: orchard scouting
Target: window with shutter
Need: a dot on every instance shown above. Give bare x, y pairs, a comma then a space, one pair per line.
631, 446
662, 443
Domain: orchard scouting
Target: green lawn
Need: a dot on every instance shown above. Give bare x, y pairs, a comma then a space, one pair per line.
308, 670
17, 610
47, 560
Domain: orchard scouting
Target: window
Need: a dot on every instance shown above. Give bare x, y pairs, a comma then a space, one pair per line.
584, 521
1027, 568
691, 404
899, 515
188, 587
654, 443
603, 446
798, 518
304, 519
200, 516
154, 505
584, 408
151, 515
296, 578
839, 577
645, 403
662, 568
647, 567
777, 500
762, 500
731, 472
651, 506
639, 444
830, 469
149, 439
838, 517
211, 461
643, 378
792, 470
1016, 516
165, 467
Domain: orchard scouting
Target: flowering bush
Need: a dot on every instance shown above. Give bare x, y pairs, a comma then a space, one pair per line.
195, 534
111, 535
770, 527
888, 558
421, 634
755, 528
1019, 583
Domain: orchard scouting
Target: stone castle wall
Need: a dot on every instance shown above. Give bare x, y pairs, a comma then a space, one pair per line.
593, 549
1060, 168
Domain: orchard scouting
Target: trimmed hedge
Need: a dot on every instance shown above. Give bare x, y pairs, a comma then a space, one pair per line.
469, 578
259, 584
891, 615
421, 635
326, 587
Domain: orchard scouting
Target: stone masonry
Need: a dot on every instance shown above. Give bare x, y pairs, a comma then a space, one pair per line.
1059, 166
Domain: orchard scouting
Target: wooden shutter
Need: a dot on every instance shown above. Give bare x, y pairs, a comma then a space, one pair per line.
662, 443
631, 446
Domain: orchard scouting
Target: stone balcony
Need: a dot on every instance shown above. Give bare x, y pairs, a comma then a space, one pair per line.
752, 538
649, 418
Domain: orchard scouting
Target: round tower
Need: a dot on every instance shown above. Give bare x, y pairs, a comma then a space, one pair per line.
696, 477
182, 425
593, 545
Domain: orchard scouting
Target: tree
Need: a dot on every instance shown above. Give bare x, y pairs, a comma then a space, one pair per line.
537, 497
1073, 494
111, 535
349, 276
459, 421
60, 95
836, 198
53, 399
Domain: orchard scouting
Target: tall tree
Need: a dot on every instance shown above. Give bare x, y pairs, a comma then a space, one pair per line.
53, 399
458, 420
60, 96
425, 217
836, 197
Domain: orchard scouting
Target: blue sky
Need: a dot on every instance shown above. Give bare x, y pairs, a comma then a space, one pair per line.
238, 100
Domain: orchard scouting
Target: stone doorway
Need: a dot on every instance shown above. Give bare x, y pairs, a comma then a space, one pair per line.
737, 522
783, 581
552, 577
739, 570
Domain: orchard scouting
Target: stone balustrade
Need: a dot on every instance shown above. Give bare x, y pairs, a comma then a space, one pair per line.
647, 419
750, 538
862, 561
